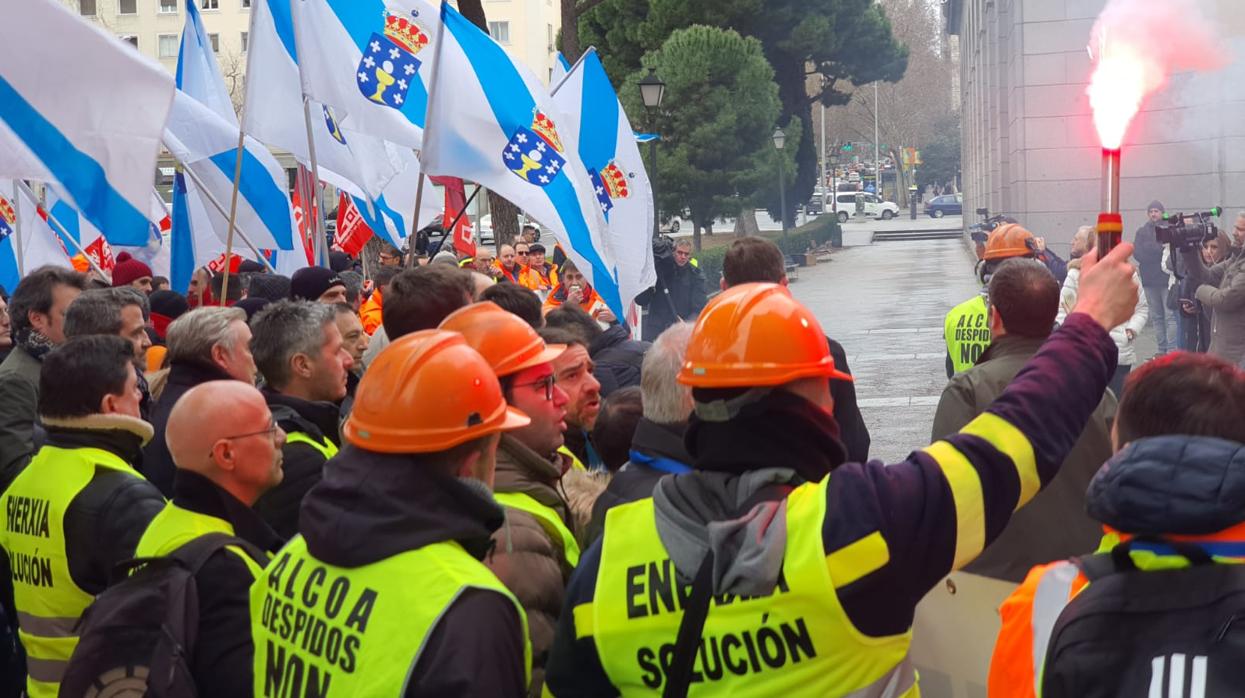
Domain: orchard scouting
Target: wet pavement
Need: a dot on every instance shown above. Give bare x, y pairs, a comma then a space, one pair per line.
885, 304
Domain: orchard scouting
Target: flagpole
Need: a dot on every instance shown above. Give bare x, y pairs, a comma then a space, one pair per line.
54, 221
17, 229
232, 216
221, 209
419, 154
317, 203
463, 212
553, 89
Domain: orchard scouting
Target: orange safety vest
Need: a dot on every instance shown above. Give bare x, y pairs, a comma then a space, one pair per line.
370, 312
536, 279
591, 304
1028, 616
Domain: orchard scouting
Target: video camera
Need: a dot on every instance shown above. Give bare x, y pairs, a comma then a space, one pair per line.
979, 232
1187, 231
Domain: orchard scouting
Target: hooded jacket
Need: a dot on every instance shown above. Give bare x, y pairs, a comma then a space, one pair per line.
371, 506
922, 508
1189, 487
157, 464
1119, 335
1222, 290
525, 556
618, 358
301, 462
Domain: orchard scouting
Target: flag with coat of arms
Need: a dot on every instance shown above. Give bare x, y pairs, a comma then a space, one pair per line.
370, 62
492, 122
82, 109
598, 127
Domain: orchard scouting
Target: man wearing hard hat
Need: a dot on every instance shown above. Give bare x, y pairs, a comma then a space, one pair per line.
966, 328
383, 593
775, 569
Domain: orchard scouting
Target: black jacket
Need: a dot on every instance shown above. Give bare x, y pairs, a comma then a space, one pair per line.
302, 464
158, 466
660, 451
618, 358
222, 663
19, 398
680, 294
371, 506
1149, 254
852, 430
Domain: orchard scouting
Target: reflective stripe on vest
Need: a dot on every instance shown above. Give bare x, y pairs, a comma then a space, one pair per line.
548, 519
1054, 590
358, 631
967, 332
175, 526
48, 602
326, 447
797, 641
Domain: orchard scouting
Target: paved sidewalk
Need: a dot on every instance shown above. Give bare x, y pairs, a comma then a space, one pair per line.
885, 304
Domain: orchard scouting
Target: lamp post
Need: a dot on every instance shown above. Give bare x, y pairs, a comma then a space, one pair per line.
652, 89
780, 139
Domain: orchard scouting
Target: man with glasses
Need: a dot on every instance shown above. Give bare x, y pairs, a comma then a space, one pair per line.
537, 549
390, 256
228, 452
1222, 291
680, 292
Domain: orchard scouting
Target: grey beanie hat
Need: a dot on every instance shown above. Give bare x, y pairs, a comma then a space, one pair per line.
1156, 204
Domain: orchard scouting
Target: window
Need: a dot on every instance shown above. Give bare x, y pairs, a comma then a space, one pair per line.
168, 7
246, 4
500, 31
86, 8
214, 40
210, 4
245, 41
549, 36
168, 45
131, 39
127, 7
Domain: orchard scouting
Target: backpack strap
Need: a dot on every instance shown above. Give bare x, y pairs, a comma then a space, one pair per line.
195, 554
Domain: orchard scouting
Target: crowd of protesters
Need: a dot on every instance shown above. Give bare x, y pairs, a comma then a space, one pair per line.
467, 476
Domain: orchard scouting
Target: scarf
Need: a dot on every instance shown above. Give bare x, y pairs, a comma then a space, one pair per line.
33, 343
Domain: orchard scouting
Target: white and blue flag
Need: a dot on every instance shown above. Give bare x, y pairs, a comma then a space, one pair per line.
82, 109
492, 122
598, 128
198, 73
358, 163
391, 215
561, 67
22, 228
369, 60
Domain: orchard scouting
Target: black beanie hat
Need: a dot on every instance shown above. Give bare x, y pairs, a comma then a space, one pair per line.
309, 283
274, 287
339, 261
170, 304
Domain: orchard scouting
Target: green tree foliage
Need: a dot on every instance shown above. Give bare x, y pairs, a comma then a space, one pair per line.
716, 119
941, 157
814, 46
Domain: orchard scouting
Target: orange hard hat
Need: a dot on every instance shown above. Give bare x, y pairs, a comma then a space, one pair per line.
1008, 240
754, 335
427, 392
504, 339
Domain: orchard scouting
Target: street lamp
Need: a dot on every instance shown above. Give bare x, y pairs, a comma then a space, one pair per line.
780, 139
652, 89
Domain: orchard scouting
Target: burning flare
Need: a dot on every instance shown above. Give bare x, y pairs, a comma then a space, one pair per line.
1136, 45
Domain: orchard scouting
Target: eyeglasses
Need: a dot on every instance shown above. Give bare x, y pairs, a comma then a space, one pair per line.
548, 382
521, 253
271, 431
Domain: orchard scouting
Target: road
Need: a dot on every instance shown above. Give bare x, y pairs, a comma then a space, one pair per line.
902, 222
885, 304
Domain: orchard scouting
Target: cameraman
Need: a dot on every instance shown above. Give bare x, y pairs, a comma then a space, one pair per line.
1148, 252
1221, 289
680, 291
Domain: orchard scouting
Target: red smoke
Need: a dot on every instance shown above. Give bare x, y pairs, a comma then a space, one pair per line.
1135, 46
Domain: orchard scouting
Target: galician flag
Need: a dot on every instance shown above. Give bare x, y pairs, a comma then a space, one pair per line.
492, 122
82, 109
598, 128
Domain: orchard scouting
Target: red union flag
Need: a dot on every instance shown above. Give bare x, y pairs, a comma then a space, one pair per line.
455, 201
352, 231
217, 265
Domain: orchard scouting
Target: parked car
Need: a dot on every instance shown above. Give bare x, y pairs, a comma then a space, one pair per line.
845, 206
948, 204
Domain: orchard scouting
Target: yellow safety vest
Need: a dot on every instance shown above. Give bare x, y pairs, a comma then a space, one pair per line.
967, 332
335, 631
326, 447
575, 462
547, 517
175, 526
797, 641
48, 601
